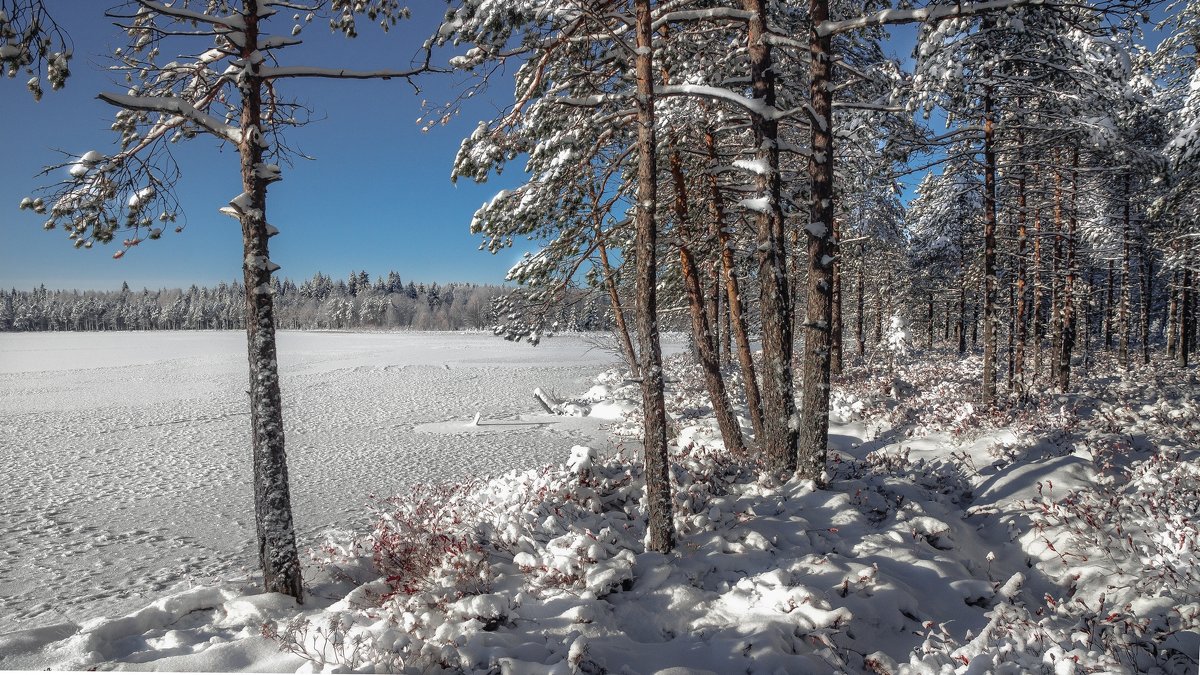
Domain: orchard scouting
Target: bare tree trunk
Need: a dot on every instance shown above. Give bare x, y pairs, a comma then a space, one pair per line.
989, 250
1035, 316
822, 252
1147, 299
1108, 305
614, 299
1056, 274
277, 551
706, 347
1124, 310
859, 340
1173, 315
1067, 344
962, 300
1020, 321
661, 526
714, 305
779, 439
740, 330
727, 334
930, 320
835, 336
1187, 317
974, 327
946, 321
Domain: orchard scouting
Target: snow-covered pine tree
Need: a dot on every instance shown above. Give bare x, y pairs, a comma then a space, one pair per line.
228, 89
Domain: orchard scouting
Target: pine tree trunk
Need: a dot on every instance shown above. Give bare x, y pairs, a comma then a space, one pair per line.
1187, 317
1056, 275
962, 301
1147, 299
1020, 320
779, 439
1173, 315
614, 299
1108, 305
706, 346
989, 250
277, 551
835, 337
713, 304
1035, 314
740, 330
946, 321
822, 252
1124, 310
929, 322
879, 315
1067, 344
661, 528
859, 338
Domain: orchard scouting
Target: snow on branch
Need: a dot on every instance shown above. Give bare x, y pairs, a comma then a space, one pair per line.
933, 13
701, 15
232, 21
271, 73
756, 106
173, 106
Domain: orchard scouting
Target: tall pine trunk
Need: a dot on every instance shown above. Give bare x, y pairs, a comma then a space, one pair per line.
835, 337
779, 440
989, 250
859, 339
661, 528
740, 330
822, 252
1187, 317
1173, 315
1108, 305
614, 300
1124, 310
277, 551
706, 345
1021, 320
1147, 298
1067, 341
1036, 329
1056, 275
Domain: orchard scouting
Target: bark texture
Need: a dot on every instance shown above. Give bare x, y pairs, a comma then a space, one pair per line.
779, 437
661, 534
822, 252
277, 552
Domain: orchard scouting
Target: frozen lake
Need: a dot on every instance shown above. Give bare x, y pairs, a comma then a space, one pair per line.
127, 463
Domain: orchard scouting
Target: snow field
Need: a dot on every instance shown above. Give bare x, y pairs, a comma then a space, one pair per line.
127, 454
1057, 537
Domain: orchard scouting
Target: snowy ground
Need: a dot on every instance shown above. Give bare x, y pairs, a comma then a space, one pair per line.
1062, 536
126, 460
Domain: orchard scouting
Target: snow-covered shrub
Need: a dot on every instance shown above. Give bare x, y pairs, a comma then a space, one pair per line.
423, 541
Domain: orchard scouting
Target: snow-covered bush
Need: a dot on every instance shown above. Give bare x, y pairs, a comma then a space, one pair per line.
422, 542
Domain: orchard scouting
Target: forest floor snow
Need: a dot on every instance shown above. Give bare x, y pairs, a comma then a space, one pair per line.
1057, 536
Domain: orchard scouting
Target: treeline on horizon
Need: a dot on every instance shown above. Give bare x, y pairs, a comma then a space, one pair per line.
320, 302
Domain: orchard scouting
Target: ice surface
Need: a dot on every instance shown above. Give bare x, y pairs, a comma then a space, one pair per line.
128, 461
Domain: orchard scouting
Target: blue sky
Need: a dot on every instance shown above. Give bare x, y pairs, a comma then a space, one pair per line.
378, 196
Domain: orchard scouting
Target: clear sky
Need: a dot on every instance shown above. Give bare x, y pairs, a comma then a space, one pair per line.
377, 197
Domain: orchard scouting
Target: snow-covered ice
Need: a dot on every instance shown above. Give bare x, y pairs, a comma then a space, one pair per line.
127, 471
1059, 536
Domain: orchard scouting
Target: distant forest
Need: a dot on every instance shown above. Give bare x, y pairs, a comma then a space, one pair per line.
317, 303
